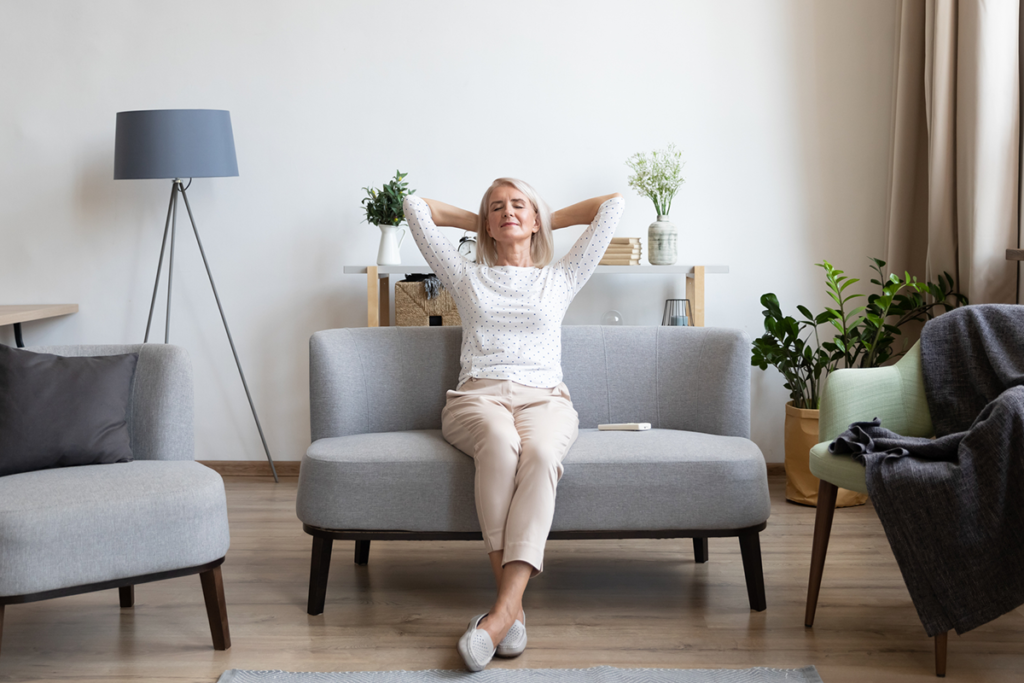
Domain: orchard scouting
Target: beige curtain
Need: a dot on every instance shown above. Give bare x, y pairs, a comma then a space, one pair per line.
954, 189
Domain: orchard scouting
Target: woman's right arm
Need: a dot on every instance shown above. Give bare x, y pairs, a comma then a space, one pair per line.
440, 254
448, 216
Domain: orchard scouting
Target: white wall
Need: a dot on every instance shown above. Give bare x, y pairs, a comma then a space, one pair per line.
781, 108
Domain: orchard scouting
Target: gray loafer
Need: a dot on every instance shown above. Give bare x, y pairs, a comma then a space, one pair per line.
514, 642
475, 646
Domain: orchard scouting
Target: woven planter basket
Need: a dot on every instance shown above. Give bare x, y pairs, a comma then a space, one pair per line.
412, 308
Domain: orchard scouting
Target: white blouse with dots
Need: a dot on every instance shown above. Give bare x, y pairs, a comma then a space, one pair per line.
512, 316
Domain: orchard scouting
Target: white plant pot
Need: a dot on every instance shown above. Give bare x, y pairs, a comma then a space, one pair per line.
661, 242
389, 253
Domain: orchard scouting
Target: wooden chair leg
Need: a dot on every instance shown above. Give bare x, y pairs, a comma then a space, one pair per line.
319, 568
750, 550
822, 530
127, 596
216, 608
700, 550
940, 654
362, 553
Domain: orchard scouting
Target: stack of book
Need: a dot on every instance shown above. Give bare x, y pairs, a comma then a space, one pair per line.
623, 251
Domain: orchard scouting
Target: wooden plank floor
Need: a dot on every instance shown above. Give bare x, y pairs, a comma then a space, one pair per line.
619, 603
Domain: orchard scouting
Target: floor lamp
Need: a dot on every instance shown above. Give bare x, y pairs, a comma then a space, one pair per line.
174, 144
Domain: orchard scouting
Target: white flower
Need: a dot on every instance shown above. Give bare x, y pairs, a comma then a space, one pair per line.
658, 177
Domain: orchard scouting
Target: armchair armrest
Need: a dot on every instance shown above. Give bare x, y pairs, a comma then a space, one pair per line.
895, 394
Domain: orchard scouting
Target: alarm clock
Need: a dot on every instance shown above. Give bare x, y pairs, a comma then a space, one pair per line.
467, 246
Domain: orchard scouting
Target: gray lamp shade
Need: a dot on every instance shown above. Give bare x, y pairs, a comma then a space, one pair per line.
174, 143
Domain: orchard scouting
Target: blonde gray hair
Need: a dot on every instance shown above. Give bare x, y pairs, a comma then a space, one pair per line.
542, 243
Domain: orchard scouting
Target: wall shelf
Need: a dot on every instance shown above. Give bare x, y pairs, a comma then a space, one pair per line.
378, 297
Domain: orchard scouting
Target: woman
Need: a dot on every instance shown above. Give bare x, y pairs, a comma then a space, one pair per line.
511, 412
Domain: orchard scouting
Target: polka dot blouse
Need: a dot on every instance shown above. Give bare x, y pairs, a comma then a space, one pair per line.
512, 316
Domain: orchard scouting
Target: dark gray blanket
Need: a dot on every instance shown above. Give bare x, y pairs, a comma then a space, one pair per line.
953, 507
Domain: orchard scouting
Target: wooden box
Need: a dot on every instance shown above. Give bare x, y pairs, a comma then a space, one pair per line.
413, 308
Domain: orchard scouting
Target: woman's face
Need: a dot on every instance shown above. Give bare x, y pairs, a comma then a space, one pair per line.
510, 216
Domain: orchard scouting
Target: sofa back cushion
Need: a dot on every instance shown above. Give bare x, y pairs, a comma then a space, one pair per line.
368, 380
691, 378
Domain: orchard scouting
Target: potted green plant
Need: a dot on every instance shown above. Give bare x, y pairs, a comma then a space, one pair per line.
384, 209
658, 178
864, 337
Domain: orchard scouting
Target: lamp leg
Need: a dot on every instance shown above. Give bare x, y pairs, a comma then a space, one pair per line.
170, 261
160, 262
223, 318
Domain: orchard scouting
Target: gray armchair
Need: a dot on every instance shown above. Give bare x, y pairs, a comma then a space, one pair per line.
79, 529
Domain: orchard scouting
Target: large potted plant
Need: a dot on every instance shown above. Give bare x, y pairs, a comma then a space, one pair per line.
384, 209
658, 178
864, 337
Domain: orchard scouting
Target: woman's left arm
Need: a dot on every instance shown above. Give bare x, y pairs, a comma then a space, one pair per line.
585, 255
581, 213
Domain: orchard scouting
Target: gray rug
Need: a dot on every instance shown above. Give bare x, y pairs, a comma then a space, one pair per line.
599, 674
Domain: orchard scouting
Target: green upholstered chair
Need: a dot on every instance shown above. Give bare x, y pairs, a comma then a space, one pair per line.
896, 395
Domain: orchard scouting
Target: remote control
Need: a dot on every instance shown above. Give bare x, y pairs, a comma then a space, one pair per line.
625, 427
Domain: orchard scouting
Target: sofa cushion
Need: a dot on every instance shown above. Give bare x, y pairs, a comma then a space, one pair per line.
613, 481
661, 479
81, 525
396, 481
841, 470
59, 412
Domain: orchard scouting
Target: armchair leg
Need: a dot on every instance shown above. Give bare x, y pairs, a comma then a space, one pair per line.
1, 623
940, 654
700, 550
127, 595
362, 553
319, 567
750, 551
216, 608
822, 530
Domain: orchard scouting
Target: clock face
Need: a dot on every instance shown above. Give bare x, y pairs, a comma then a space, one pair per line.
467, 247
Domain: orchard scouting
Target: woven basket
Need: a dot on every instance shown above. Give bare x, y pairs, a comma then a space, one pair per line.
413, 309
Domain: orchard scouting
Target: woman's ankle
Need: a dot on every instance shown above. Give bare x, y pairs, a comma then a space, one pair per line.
499, 620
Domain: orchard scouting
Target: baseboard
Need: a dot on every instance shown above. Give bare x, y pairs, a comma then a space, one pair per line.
252, 468
775, 468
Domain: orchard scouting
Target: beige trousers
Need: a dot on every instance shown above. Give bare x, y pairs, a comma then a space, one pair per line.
517, 436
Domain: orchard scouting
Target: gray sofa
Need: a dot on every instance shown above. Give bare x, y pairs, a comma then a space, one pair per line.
73, 530
378, 467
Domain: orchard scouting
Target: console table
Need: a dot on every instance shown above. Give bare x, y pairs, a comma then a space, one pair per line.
378, 285
16, 315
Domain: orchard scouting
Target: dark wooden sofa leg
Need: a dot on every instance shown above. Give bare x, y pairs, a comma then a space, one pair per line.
827, 494
216, 607
700, 550
362, 553
319, 567
750, 550
940, 654
127, 595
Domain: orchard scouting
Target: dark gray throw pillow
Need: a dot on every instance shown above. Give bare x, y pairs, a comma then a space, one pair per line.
58, 411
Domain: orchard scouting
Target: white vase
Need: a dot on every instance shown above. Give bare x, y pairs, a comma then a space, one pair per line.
390, 241
661, 242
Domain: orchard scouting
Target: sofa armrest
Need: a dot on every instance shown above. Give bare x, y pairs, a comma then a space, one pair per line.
894, 394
